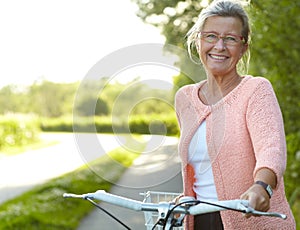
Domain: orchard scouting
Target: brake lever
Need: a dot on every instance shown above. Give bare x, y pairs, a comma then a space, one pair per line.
249, 210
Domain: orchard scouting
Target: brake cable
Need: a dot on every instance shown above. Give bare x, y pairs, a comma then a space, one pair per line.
108, 213
196, 202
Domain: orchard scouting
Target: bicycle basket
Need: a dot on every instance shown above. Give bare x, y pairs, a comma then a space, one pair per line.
156, 197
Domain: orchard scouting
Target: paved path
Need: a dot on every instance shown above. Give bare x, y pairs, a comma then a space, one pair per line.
158, 170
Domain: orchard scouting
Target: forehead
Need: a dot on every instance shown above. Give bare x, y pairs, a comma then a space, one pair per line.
223, 24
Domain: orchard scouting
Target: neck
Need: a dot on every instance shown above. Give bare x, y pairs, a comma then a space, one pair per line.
222, 84
218, 87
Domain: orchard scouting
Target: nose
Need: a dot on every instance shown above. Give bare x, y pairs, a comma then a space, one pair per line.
220, 45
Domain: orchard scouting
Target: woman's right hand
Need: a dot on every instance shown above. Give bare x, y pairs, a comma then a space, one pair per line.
258, 198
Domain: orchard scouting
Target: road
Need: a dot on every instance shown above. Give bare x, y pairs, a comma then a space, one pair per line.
21, 172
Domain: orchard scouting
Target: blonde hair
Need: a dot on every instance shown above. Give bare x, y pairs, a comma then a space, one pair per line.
223, 8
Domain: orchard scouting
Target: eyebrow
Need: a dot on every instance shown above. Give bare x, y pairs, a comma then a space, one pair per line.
214, 32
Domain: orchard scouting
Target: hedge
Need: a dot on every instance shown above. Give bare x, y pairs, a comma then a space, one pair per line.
18, 131
152, 124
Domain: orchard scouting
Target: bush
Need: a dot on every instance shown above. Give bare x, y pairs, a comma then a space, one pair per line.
292, 174
154, 124
17, 131
159, 124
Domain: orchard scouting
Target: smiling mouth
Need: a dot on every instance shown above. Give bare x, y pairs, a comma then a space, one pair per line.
218, 57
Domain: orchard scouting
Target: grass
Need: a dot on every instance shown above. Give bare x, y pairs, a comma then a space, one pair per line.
44, 207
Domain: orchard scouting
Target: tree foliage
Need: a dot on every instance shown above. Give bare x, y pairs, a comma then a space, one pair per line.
174, 18
48, 99
99, 105
276, 53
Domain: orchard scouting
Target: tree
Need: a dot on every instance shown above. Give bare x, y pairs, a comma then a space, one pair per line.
8, 99
51, 99
175, 18
276, 53
88, 106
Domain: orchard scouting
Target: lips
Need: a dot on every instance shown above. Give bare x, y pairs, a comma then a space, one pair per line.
218, 57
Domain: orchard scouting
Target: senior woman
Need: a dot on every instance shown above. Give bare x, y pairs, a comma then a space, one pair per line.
232, 141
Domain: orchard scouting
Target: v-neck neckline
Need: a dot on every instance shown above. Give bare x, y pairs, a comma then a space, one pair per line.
226, 98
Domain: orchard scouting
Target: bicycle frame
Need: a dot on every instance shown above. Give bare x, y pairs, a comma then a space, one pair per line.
187, 206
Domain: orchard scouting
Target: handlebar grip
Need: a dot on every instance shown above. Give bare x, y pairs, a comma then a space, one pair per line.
272, 214
238, 205
115, 200
219, 206
71, 195
109, 198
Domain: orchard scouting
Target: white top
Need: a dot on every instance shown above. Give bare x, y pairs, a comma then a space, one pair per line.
204, 185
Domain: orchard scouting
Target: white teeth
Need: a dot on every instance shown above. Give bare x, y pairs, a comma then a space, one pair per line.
218, 57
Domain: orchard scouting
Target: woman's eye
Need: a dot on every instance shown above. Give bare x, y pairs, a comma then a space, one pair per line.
211, 36
230, 39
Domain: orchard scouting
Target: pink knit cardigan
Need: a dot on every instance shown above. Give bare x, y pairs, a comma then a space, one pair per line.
244, 134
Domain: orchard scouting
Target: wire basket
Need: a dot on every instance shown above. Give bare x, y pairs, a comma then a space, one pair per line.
156, 197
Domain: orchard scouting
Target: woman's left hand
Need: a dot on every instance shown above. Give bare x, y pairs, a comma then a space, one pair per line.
258, 198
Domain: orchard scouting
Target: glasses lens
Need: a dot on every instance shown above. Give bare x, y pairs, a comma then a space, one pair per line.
214, 38
210, 37
231, 39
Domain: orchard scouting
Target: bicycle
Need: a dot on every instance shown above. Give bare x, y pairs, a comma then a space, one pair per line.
170, 215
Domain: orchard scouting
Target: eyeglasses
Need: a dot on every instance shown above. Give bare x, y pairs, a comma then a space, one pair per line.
228, 39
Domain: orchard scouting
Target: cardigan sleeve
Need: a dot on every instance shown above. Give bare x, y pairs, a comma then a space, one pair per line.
265, 125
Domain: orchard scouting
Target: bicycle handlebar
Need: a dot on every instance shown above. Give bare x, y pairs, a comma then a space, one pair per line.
204, 207
109, 198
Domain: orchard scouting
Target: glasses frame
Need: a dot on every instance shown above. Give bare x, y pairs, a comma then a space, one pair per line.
240, 39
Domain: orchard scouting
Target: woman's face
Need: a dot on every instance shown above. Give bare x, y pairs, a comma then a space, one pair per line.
220, 58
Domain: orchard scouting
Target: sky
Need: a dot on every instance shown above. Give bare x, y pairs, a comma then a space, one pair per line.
60, 40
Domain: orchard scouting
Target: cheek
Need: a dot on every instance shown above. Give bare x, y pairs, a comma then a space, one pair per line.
202, 50
240, 54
